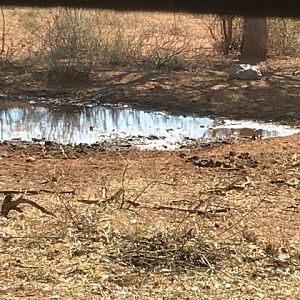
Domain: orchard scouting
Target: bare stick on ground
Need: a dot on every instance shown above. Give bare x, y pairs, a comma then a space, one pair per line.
8, 205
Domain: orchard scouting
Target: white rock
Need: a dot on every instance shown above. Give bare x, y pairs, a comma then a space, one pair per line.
245, 72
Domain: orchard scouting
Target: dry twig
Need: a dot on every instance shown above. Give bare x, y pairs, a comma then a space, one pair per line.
8, 205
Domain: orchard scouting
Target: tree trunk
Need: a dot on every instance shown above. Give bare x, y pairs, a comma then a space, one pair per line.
226, 25
255, 40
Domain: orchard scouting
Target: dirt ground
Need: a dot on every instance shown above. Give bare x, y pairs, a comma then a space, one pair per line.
215, 222
208, 222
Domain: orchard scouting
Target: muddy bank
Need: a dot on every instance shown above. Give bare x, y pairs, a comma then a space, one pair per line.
206, 91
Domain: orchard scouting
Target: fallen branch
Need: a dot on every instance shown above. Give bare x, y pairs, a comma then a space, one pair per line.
90, 201
117, 196
189, 210
237, 185
162, 207
8, 205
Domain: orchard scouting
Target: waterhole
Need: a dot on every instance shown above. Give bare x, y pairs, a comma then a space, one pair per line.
146, 129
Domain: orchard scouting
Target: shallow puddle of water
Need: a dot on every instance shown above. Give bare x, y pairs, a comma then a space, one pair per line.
147, 129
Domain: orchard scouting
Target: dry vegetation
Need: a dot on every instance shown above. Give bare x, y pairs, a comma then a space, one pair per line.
161, 61
101, 38
86, 39
152, 225
93, 223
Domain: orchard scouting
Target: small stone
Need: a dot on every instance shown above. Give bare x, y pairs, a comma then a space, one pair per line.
30, 159
195, 289
6, 266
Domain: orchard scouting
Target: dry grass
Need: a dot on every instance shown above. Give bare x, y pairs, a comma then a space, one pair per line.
149, 225
93, 38
152, 225
100, 37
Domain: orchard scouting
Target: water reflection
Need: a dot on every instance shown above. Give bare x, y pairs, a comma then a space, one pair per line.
71, 124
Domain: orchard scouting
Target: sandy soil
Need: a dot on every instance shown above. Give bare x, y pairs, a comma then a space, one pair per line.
215, 222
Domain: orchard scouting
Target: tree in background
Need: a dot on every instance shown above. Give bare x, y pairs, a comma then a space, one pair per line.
255, 40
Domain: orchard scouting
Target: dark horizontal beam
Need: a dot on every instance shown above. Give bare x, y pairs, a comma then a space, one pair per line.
284, 8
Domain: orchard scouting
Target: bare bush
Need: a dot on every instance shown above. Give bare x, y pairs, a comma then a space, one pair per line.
95, 38
226, 33
118, 49
67, 37
81, 38
284, 37
18, 45
167, 51
74, 39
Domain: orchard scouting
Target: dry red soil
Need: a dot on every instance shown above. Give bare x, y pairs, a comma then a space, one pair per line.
152, 224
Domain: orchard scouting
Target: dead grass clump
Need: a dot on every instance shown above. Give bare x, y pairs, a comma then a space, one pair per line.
163, 251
